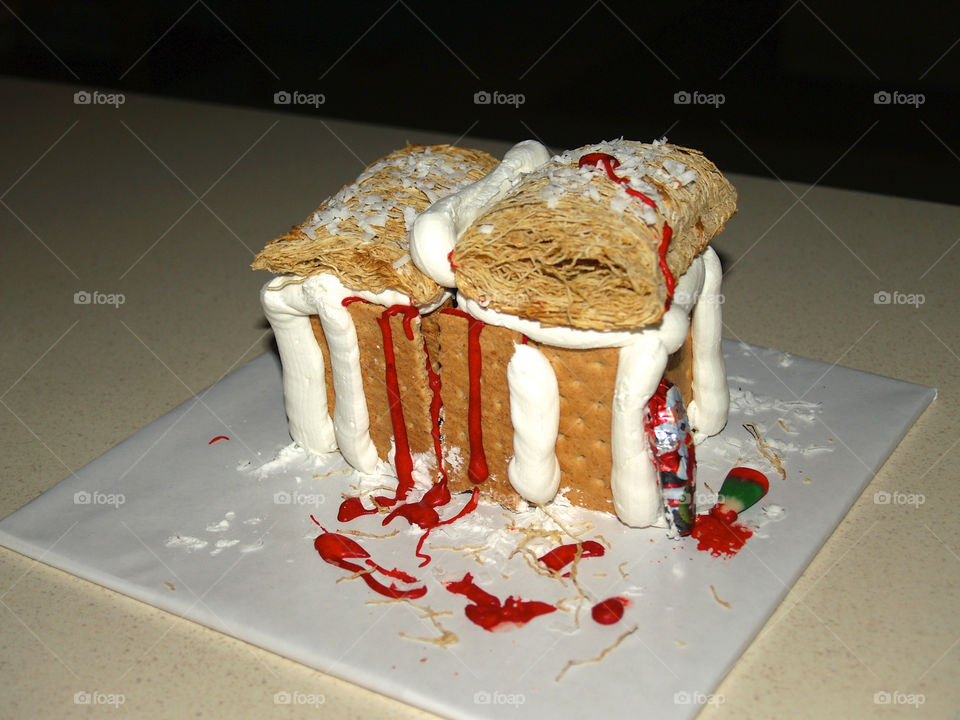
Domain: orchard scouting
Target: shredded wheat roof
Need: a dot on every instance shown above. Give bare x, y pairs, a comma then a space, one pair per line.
570, 246
360, 233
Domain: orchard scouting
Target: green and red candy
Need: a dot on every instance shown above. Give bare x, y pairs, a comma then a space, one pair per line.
742, 489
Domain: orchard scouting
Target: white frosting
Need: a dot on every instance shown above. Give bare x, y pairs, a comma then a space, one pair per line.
711, 398
288, 302
437, 229
634, 479
534, 471
304, 388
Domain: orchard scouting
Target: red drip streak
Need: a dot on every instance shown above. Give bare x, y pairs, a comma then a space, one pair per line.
422, 513
609, 611
489, 613
218, 437
560, 557
610, 163
719, 537
338, 550
477, 470
352, 508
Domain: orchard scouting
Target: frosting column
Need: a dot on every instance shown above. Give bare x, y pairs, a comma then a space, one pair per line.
711, 398
634, 480
304, 388
534, 471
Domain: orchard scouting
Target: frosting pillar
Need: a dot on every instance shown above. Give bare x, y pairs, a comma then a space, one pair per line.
304, 388
534, 471
711, 398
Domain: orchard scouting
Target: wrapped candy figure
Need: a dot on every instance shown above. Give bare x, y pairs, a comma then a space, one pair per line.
671, 442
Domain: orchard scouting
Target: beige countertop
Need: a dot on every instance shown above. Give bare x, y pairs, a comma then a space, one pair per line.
164, 202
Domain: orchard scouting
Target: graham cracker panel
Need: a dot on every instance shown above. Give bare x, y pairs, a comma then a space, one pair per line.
496, 346
586, 380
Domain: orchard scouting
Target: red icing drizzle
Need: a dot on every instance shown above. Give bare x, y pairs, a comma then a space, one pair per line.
477, 470
338, 550
610, 163
352, 508
422, 513
489, 613
218, 437
719, 536
560, 557
609, 611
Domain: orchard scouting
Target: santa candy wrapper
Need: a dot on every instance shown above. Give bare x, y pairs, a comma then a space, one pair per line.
671, 442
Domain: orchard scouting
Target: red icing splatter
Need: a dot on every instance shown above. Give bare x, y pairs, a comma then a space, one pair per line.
489, 613
718, 536
338, 550
560, 557
610, 163
218, 437
609, 611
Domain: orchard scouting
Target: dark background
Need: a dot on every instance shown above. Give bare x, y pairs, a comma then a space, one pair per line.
798, 79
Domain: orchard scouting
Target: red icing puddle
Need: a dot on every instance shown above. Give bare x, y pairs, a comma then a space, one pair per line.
489, 613
719, 537
609, 611
560, 557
